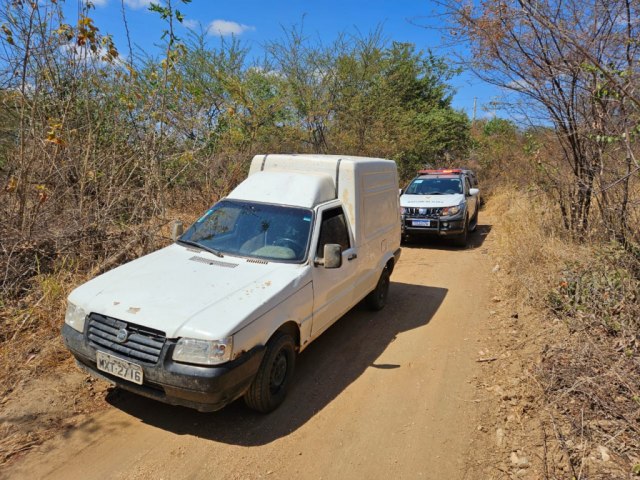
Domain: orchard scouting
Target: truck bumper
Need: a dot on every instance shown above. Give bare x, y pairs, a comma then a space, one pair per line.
442, 228
204, 388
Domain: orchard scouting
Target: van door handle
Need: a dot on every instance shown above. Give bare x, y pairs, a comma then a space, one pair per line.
352, 256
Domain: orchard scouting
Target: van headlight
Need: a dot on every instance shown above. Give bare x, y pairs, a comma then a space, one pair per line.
75, 316
203, 352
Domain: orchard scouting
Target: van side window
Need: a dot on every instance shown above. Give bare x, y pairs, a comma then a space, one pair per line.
467, 187
333, 229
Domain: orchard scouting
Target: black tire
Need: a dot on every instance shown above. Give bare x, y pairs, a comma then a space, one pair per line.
474, 222
377, 299
270, 385
461, 240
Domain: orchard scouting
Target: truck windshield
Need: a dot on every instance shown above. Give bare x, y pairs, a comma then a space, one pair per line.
434, 186
270, 232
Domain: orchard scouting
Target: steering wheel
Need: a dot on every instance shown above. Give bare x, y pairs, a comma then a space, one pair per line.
289, 243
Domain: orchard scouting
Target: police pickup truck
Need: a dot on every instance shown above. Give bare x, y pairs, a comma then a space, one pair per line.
440, 203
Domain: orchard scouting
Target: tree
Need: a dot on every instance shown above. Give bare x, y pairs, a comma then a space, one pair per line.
394, 101
575, 66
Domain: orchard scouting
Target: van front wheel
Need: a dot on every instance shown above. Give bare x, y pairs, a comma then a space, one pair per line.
377, 299
269, 387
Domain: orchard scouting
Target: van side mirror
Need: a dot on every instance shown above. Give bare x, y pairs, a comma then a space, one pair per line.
332, 256
400, 192
474, 191
177, 229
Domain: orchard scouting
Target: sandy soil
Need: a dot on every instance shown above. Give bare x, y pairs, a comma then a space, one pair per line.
397, 393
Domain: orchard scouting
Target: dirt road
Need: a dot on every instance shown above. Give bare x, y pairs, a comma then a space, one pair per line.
379, 395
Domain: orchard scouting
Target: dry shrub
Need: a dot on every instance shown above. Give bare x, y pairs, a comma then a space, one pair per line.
29, 338
38, 276
532, 242
590, 375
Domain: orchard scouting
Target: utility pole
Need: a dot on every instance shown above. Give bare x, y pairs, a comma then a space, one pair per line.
473, 119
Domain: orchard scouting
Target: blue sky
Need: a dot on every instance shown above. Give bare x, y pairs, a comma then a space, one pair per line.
255, 21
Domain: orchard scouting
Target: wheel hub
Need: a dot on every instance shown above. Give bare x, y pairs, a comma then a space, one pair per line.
279, 371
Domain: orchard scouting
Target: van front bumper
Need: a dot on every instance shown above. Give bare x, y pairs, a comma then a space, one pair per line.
205, 388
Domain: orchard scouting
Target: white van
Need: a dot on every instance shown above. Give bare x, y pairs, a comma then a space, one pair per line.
223, 311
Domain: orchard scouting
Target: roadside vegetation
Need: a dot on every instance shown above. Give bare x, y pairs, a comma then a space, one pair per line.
574, 310
567, 190
101, 149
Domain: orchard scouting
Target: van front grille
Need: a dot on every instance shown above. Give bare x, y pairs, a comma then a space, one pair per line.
140, 344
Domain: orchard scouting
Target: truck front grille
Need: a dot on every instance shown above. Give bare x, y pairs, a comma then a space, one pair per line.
431, 212
140, 344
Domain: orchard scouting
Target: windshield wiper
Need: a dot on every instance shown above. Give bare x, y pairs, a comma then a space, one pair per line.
433, 193
198, 245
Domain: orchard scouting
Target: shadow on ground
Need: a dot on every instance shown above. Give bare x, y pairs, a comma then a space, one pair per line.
475, 240
326, 368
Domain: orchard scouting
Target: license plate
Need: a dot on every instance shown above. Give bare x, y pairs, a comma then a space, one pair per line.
119, 368
421, 223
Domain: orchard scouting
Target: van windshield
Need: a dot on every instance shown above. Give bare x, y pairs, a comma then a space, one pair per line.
257, 230
434, 186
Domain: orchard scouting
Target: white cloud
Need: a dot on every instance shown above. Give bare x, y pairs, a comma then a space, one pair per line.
137, 4
99, 3
190, 23
85, 55
224, 28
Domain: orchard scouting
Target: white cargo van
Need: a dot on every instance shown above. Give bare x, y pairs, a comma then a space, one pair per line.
223, 311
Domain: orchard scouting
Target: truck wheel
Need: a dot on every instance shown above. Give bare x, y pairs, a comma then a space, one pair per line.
474, 222
377, 299
461, 240
269, 387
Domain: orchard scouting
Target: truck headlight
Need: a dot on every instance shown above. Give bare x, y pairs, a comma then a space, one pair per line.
451, 211
203, 352
75, 317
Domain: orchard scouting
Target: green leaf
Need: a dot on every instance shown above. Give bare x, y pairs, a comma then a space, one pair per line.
164, 12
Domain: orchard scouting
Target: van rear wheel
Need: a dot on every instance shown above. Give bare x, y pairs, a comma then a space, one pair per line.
377, 299
269, 387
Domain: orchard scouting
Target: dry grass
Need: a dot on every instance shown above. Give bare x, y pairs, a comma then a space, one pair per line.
31, 343
532, 244
588, 375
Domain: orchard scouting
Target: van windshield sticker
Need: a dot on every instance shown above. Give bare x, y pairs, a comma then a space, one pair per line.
306, 219
417, 181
